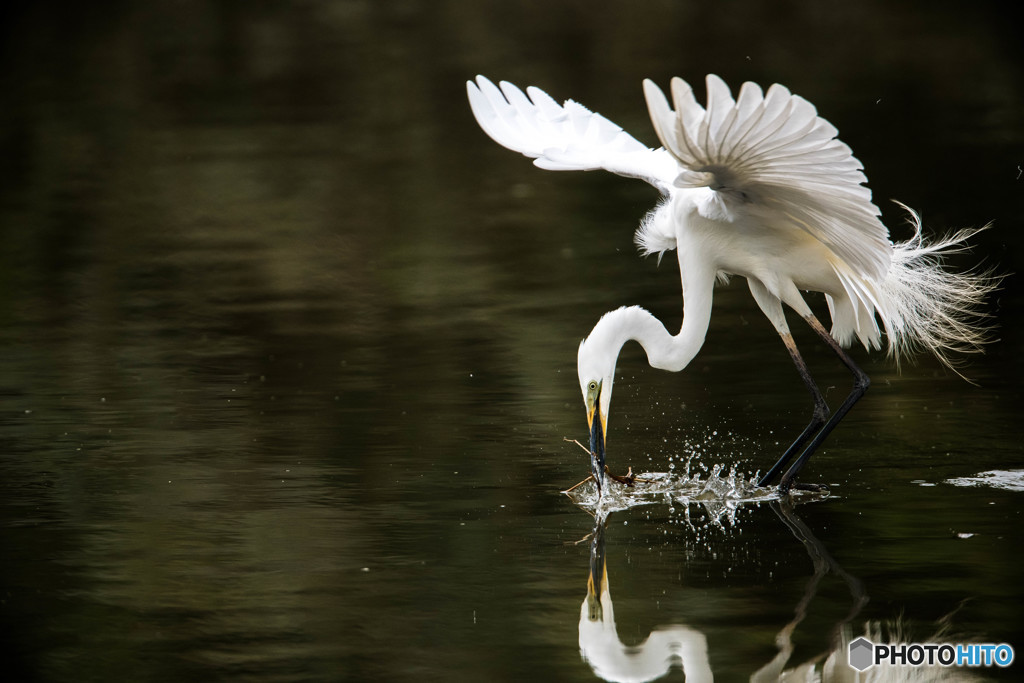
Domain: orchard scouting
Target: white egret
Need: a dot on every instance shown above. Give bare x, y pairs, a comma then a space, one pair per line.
758, 187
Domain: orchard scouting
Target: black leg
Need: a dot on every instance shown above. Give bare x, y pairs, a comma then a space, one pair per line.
861, 382
818, 417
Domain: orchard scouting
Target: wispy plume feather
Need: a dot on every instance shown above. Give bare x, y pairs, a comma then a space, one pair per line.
925, 306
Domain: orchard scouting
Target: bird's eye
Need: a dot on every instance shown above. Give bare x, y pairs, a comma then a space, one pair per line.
592, 386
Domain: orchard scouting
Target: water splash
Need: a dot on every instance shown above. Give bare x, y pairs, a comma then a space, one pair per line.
698, 495
1008, 480
720, 494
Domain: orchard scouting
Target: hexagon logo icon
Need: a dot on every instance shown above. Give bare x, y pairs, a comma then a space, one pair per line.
861, 655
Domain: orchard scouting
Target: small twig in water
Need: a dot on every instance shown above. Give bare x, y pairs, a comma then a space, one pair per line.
627, 479
582, 540
576, 486
567, 439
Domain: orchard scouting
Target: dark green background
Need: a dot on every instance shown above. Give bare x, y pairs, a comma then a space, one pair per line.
287, 345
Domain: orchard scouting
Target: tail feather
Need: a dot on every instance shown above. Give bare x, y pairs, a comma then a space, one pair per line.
925, 307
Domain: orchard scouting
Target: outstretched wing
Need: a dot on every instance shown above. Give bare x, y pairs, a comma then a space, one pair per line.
565, 137
770, 157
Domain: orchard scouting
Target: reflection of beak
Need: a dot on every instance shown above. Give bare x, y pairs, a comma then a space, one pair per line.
597, 577
595, 610
597, 432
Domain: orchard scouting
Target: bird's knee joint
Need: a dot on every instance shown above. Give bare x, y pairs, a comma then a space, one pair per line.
863, 382
821, 411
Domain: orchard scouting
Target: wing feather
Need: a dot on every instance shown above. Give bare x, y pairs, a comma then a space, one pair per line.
565, 137
770, 157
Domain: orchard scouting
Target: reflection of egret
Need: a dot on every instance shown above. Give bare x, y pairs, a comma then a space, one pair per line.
758, 187
601, 647
687, 647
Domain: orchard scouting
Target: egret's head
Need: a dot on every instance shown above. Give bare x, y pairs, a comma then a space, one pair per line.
596, 369
596, 376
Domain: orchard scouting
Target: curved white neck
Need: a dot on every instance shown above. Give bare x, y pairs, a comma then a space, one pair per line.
664, 351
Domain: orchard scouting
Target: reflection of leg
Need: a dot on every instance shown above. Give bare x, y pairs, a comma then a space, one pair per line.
823, 563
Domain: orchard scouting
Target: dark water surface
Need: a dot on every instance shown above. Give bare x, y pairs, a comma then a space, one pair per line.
287, 349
